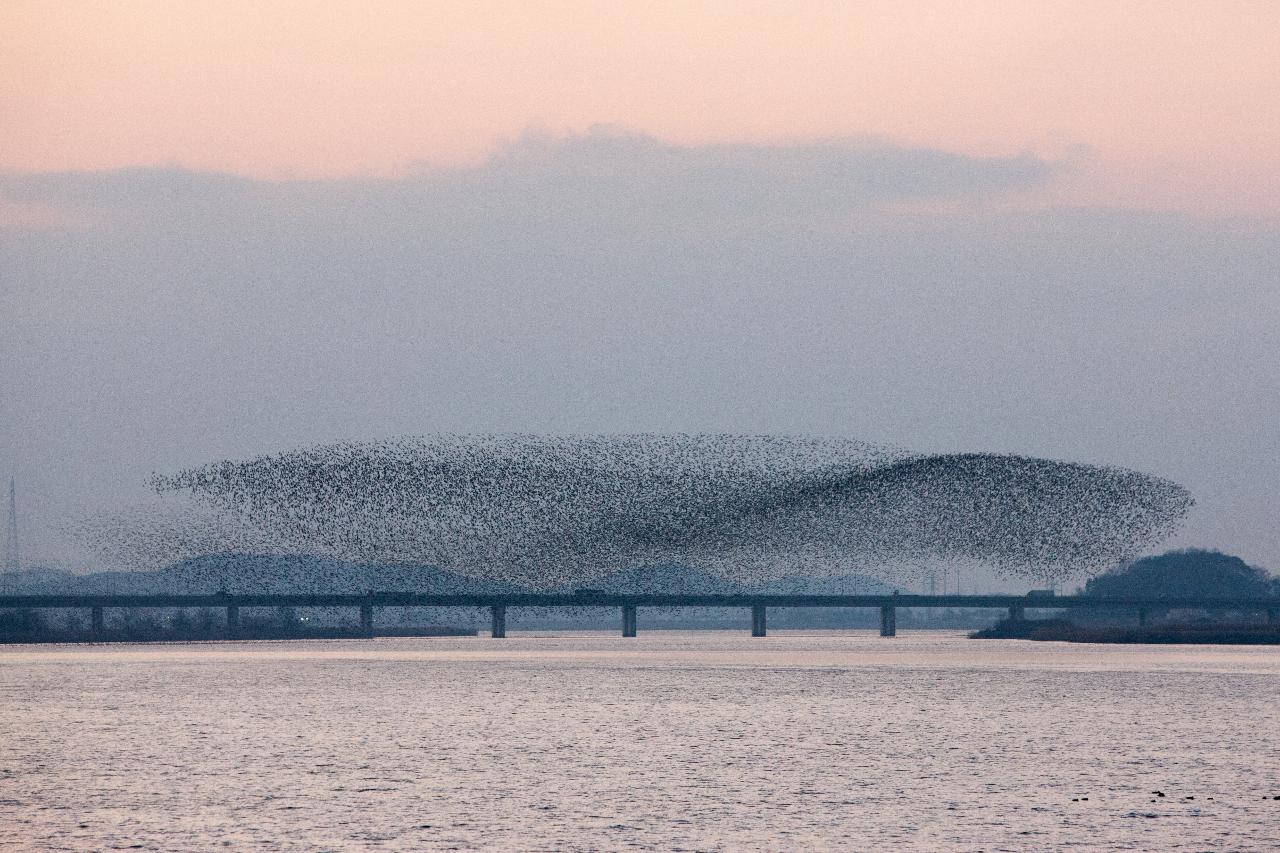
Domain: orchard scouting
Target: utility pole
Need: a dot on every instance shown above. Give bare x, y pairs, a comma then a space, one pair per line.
11, 564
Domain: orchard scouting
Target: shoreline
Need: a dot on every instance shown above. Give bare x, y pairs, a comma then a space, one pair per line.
1060, 630
246, 632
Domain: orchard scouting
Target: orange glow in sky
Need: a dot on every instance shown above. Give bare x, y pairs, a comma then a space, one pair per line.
1177, 103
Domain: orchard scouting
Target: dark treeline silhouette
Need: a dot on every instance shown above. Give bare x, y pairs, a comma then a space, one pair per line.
1210, 633
1193, 572
1189, 573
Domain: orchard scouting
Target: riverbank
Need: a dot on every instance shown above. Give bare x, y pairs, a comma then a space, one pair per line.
1062, 630
148, 634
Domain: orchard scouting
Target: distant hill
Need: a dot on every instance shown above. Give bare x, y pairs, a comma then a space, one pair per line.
39, 581
286, 573
839, 585
301, 573
664, 579
244, 573
685, 580
1192, 573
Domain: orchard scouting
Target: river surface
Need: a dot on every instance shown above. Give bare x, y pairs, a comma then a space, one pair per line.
670, 741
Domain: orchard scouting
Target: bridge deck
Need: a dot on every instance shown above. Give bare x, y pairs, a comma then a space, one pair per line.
418, 599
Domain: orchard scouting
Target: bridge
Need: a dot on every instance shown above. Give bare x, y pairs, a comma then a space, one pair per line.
629, 605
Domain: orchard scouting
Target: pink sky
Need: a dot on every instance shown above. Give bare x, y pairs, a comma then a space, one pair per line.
1177, 103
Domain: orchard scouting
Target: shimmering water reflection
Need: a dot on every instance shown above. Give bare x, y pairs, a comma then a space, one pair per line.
701, 741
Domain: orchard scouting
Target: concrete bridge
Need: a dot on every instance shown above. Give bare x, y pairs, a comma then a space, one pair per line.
629, 605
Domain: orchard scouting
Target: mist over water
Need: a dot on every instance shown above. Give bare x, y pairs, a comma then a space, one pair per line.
708, 741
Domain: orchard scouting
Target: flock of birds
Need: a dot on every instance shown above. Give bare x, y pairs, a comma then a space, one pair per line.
546, 512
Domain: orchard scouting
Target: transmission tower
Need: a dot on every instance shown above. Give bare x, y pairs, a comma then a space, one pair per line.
11, 544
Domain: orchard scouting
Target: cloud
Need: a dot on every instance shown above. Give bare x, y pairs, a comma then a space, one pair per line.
829, 177
603, 173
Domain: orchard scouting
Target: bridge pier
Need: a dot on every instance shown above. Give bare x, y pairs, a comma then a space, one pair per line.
888, 621
1273, 616
759, 621
1016, 613
1142, 617
498, 614
95, 620
233, 621
628, 620
366, 619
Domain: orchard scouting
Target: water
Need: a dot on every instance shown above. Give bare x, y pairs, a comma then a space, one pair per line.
693, 741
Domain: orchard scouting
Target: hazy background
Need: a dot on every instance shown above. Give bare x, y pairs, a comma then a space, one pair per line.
1039, 228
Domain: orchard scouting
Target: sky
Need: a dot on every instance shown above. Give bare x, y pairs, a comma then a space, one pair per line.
1173, 105
235, 228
